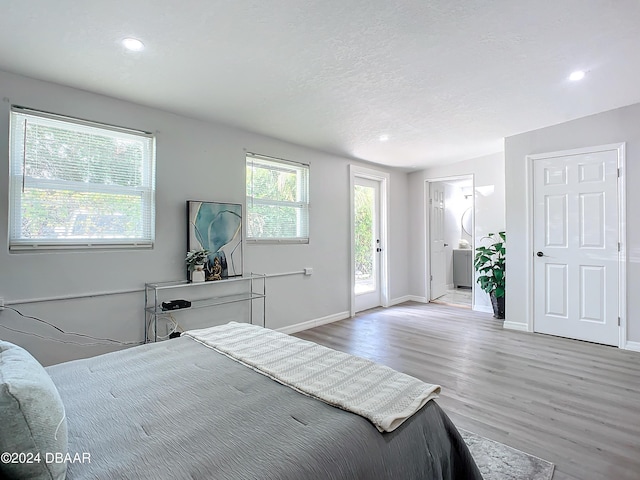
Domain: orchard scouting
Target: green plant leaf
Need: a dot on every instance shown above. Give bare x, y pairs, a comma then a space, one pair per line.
489, 262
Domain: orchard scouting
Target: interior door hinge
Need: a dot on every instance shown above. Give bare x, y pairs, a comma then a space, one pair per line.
618, 173
431, 277
619, 246
618, 321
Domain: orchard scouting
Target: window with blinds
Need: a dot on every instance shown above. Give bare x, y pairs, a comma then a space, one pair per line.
277, 200
75, 183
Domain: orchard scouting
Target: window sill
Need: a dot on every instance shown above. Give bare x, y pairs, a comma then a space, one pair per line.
43, 247
277, 241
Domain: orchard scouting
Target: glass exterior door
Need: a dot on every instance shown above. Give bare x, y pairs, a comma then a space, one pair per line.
366, 195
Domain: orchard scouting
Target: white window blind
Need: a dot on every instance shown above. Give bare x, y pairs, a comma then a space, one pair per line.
277, 200
75, 183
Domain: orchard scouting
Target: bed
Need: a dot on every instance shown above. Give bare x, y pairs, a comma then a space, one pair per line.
180, 409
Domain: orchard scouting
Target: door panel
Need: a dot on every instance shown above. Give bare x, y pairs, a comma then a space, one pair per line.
438, 259
556, 221
592, 288
592, 221
576, 246
556, 290
366, 195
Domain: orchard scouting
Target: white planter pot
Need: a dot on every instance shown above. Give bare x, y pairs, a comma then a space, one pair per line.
197, 275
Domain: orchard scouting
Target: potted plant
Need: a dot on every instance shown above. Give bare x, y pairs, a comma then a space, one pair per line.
195, 261
489, 262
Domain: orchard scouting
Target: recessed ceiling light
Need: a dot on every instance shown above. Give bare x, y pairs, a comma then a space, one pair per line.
577, 75
384, 138
133, 44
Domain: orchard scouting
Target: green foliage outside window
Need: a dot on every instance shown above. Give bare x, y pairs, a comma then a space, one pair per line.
75, 183
57, 158
66, 155
276, 203
59, 214
363, 204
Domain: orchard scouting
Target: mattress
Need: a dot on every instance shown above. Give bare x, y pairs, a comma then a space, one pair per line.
179, 410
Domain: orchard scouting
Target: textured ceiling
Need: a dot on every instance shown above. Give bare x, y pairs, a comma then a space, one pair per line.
445, 79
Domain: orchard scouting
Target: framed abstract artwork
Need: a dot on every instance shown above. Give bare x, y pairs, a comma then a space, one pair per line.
216, 227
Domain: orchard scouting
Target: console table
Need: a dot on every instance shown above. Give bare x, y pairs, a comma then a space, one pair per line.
204, 295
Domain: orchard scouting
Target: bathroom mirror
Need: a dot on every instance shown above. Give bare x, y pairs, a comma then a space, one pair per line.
467, 221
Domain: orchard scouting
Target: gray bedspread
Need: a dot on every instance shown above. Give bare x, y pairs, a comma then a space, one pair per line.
179, 410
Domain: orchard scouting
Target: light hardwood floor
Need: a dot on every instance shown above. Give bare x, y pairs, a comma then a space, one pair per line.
573, 403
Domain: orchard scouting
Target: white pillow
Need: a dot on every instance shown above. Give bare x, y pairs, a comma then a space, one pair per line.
32, 417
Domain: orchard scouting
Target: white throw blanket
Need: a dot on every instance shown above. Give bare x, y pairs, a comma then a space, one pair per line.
382, 395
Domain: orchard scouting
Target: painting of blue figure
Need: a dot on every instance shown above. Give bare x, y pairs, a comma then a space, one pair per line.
217, 227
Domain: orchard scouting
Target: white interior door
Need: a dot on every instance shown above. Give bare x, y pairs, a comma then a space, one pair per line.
576, 246
437, 258
368, 246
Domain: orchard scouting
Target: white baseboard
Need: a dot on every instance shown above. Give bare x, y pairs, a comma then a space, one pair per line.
316, 322
483, 308
634, 346
407, 298
521, 327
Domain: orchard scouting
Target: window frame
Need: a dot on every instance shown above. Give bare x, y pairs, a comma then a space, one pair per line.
18, 179
250, 157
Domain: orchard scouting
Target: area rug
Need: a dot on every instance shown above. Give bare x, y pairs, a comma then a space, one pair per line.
497, 461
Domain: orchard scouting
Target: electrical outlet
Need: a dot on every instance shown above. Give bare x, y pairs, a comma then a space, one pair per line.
308, 271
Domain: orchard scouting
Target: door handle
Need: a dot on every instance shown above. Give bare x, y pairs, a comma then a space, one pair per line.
446, 244
540, 254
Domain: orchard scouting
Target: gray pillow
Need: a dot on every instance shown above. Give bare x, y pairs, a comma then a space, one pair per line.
32, 419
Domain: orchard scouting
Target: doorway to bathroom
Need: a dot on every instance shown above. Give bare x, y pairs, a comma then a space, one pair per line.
451, 226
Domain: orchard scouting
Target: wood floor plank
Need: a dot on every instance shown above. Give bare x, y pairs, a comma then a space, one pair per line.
576, 404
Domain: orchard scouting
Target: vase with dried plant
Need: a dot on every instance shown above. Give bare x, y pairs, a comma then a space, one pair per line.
195, 261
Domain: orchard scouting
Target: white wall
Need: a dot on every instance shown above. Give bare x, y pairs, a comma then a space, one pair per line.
196, 160
620, 125
489, 198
